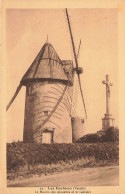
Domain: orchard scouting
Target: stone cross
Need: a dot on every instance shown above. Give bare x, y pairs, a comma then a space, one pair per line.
108, 84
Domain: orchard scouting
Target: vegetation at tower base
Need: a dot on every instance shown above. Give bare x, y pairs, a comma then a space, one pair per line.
33, 158
109, 135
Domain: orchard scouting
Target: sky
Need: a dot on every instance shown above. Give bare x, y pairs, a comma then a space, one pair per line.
26, 32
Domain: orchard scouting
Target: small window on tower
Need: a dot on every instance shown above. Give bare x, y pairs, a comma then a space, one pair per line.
45, 113
82, 120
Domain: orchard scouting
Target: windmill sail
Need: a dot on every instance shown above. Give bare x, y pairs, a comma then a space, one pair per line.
77, 69
13, 98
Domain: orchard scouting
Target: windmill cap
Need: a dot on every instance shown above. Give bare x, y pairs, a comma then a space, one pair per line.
47, 65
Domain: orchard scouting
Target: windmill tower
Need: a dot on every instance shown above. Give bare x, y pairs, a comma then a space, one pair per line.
47, 108
49, 83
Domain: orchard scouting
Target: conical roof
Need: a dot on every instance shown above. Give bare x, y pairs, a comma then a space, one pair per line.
47, 65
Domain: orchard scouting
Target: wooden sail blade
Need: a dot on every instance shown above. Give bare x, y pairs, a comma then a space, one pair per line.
73, 46
13, 98
79, 80
76, 61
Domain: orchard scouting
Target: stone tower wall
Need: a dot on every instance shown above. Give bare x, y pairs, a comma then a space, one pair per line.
41, 98
77, 128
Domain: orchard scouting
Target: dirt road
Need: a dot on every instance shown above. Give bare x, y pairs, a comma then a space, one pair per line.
100, 176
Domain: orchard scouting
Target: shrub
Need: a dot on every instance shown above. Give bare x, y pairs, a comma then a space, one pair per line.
30, 154
90, 138
111, 135
15, 161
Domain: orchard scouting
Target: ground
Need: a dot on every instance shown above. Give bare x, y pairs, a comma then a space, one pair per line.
99, 176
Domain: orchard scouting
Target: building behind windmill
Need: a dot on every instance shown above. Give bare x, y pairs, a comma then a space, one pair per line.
48, 104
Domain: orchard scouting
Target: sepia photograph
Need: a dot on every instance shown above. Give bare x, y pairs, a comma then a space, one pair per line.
62, 97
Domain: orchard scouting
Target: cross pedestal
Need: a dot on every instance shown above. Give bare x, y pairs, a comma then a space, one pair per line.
107, 121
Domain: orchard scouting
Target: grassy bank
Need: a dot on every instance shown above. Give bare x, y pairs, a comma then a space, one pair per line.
27, 159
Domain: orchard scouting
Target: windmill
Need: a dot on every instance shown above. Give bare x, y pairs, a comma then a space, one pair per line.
49, 109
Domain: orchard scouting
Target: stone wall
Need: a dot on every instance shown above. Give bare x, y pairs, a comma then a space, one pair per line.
41, 98
77, 128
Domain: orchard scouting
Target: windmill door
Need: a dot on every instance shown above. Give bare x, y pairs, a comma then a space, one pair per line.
47, 137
